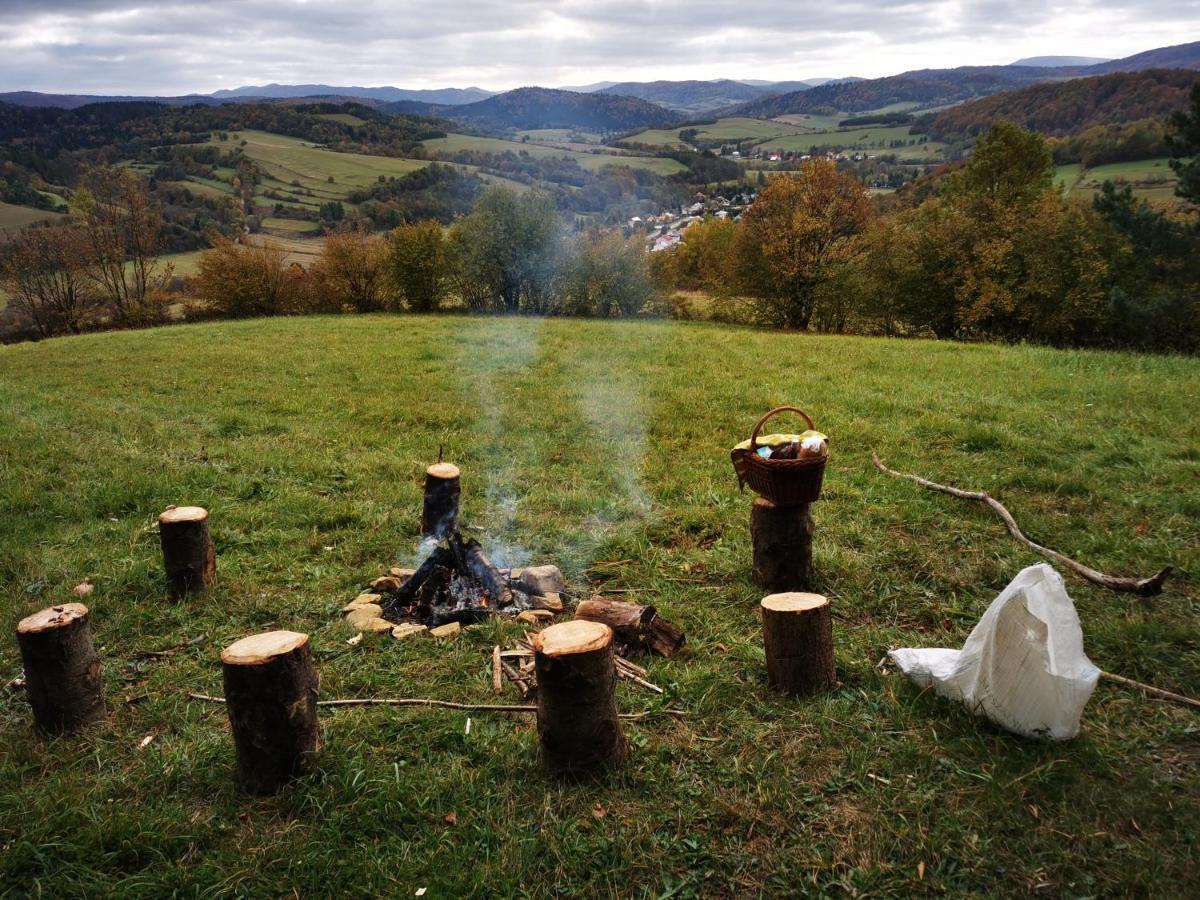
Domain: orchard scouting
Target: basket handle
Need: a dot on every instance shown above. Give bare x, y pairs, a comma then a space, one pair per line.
761, 422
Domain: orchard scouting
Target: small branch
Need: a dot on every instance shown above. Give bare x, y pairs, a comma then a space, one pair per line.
1142, 587
1151, 690
170, 651
447, 704
497, 672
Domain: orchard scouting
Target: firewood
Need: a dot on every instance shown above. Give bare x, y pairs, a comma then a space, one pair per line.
62, 670
271, 696
497, 672
637, 626
189, 556
798, 637
578, 726
481, 569
782, 539
439, 511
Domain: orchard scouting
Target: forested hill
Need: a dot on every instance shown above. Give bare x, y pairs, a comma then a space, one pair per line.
1067, 107
939, 87
691, 96
533, 107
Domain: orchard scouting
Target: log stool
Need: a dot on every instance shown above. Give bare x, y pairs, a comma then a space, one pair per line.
271, 696
62, 671
439, 511
578, 726
798, 637
782, 537
188, 553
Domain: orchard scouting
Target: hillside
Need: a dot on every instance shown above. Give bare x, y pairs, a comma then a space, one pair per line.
940, 87
444, 96
1049, 62
598, 446
533, 108
690, 96
1067, 107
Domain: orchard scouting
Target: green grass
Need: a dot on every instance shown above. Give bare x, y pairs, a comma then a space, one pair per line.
1151, 179
871, 137
455, 142
603, 447
343, 118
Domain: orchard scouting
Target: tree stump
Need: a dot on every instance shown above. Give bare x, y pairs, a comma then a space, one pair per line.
782, 537
798, 637
439, 512
62, 671
271, 696
188, 553
578, 726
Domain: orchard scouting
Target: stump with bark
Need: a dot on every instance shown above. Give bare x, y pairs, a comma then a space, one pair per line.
271, 696
189, 556
578, 726
439, 512
639, 627
798, 637
782, 538
62, 670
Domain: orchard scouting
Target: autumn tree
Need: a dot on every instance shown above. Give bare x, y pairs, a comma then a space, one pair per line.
45, 272
706, 260
124, 231
352, 272
418, 265
240, 280
603, 274
797, 232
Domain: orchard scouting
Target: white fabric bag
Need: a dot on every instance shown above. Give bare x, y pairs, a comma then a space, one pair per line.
1023, 665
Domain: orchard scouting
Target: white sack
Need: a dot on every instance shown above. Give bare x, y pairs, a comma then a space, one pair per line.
1023, 665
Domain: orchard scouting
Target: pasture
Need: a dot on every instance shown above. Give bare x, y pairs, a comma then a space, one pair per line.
1151, 179
601, 446
456, 142
13, 217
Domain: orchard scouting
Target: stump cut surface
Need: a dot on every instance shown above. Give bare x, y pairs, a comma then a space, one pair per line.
261, 648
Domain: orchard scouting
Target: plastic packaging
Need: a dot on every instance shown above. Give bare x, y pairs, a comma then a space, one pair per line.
1022, 666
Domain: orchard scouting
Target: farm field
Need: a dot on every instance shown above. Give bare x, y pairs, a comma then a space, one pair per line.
1151, 179
600, 446
871, 137
15, 217
455, 142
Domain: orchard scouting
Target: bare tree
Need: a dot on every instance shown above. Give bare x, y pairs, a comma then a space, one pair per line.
45, 270
124, 231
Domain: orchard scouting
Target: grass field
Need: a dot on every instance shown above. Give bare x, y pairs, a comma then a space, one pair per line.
876, 138
455, 142
15, 217
1151, 179
603, 447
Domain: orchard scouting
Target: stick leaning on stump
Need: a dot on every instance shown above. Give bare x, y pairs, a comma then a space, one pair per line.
798, 638
62, 670
578, 726
271, 696
188, 553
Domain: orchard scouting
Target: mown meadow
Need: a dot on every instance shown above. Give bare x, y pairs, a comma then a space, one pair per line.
600, 446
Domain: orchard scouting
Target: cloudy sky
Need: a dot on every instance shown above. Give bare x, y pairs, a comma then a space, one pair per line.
168, 47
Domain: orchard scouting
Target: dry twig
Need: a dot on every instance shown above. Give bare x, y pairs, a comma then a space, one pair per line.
1151, 690
1143, 587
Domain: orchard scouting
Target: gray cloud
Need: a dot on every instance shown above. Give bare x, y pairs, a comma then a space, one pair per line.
171, 47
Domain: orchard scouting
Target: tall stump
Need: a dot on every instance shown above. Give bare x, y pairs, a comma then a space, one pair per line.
271, 696
782, 538
798, 637
188, 553
62, 670
578, 726
439, 511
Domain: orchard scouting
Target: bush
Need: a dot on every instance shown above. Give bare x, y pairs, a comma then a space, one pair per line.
418, 265
239, 280
604, 275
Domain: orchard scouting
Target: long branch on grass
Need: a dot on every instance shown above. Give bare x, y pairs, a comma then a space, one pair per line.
1151, 690
1143, 587
445, 704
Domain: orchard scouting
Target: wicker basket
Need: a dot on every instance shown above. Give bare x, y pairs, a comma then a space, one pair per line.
785, 482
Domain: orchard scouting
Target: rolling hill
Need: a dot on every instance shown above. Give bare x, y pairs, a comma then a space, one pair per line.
533, 107
940, 87
444, 96
690, 96
1051, 62
1065, 107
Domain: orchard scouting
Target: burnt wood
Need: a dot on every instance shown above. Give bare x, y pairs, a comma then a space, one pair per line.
439, 511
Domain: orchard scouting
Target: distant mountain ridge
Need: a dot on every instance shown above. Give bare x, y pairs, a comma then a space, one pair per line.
1053, 62
940, 87
689, 96
444, 96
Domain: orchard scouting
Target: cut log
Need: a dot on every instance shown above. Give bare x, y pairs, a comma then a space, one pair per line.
62, 671
782, 537
188, 552
578, 726
271, 695
439, 512
640, 627
798, 637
